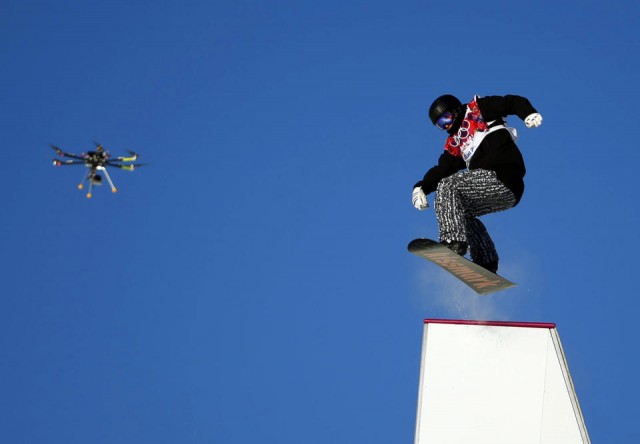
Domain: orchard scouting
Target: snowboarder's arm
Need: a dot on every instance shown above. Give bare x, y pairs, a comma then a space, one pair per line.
448, 164
497, 107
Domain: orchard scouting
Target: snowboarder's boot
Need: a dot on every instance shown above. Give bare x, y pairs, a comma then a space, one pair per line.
458, 247
491, 266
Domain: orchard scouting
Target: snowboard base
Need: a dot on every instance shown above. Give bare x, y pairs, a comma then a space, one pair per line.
481, 280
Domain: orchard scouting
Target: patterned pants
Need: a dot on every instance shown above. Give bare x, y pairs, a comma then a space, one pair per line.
460, 200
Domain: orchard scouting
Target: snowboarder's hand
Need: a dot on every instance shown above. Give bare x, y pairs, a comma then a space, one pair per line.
533, 120
419, 199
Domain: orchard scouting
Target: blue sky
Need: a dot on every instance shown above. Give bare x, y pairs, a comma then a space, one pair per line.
252, 282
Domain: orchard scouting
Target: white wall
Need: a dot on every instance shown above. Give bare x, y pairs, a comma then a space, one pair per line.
495, 383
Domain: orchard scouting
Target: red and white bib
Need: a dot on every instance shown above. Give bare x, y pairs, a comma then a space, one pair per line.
471, 133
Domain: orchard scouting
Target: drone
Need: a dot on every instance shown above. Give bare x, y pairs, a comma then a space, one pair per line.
97, 161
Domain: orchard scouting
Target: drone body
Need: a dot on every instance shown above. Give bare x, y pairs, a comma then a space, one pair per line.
96, 161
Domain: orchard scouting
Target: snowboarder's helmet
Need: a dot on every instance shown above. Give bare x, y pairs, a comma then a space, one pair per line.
443, 104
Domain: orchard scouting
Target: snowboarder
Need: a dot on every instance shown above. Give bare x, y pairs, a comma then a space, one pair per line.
481, 170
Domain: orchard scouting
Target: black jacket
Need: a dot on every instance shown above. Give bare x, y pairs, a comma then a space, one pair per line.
497, 151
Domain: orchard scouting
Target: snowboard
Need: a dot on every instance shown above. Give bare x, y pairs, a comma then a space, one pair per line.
481, 280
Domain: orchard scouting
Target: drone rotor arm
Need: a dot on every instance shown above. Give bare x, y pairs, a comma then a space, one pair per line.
65, 154
127, 167
58, 162
131, 158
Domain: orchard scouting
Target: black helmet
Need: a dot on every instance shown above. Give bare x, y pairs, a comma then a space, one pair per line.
442, 104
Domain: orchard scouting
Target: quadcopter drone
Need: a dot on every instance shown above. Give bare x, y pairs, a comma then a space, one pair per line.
96, 161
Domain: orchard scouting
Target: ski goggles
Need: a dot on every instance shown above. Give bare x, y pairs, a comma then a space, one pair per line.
445, 120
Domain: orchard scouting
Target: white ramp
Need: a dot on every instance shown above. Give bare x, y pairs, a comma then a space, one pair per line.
496, 383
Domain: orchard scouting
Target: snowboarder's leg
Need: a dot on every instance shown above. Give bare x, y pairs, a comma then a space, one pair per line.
450, 213
481, 247
462, 197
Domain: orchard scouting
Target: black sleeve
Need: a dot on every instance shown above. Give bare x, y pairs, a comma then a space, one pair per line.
497, 107
448, 164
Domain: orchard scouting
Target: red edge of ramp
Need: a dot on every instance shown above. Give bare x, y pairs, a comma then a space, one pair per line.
492, 323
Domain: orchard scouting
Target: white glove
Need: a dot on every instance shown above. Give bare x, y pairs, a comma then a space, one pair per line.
419, 199
533, 120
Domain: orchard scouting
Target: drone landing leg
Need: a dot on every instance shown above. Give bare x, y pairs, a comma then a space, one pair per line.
106, 174
81, 184
89, 195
